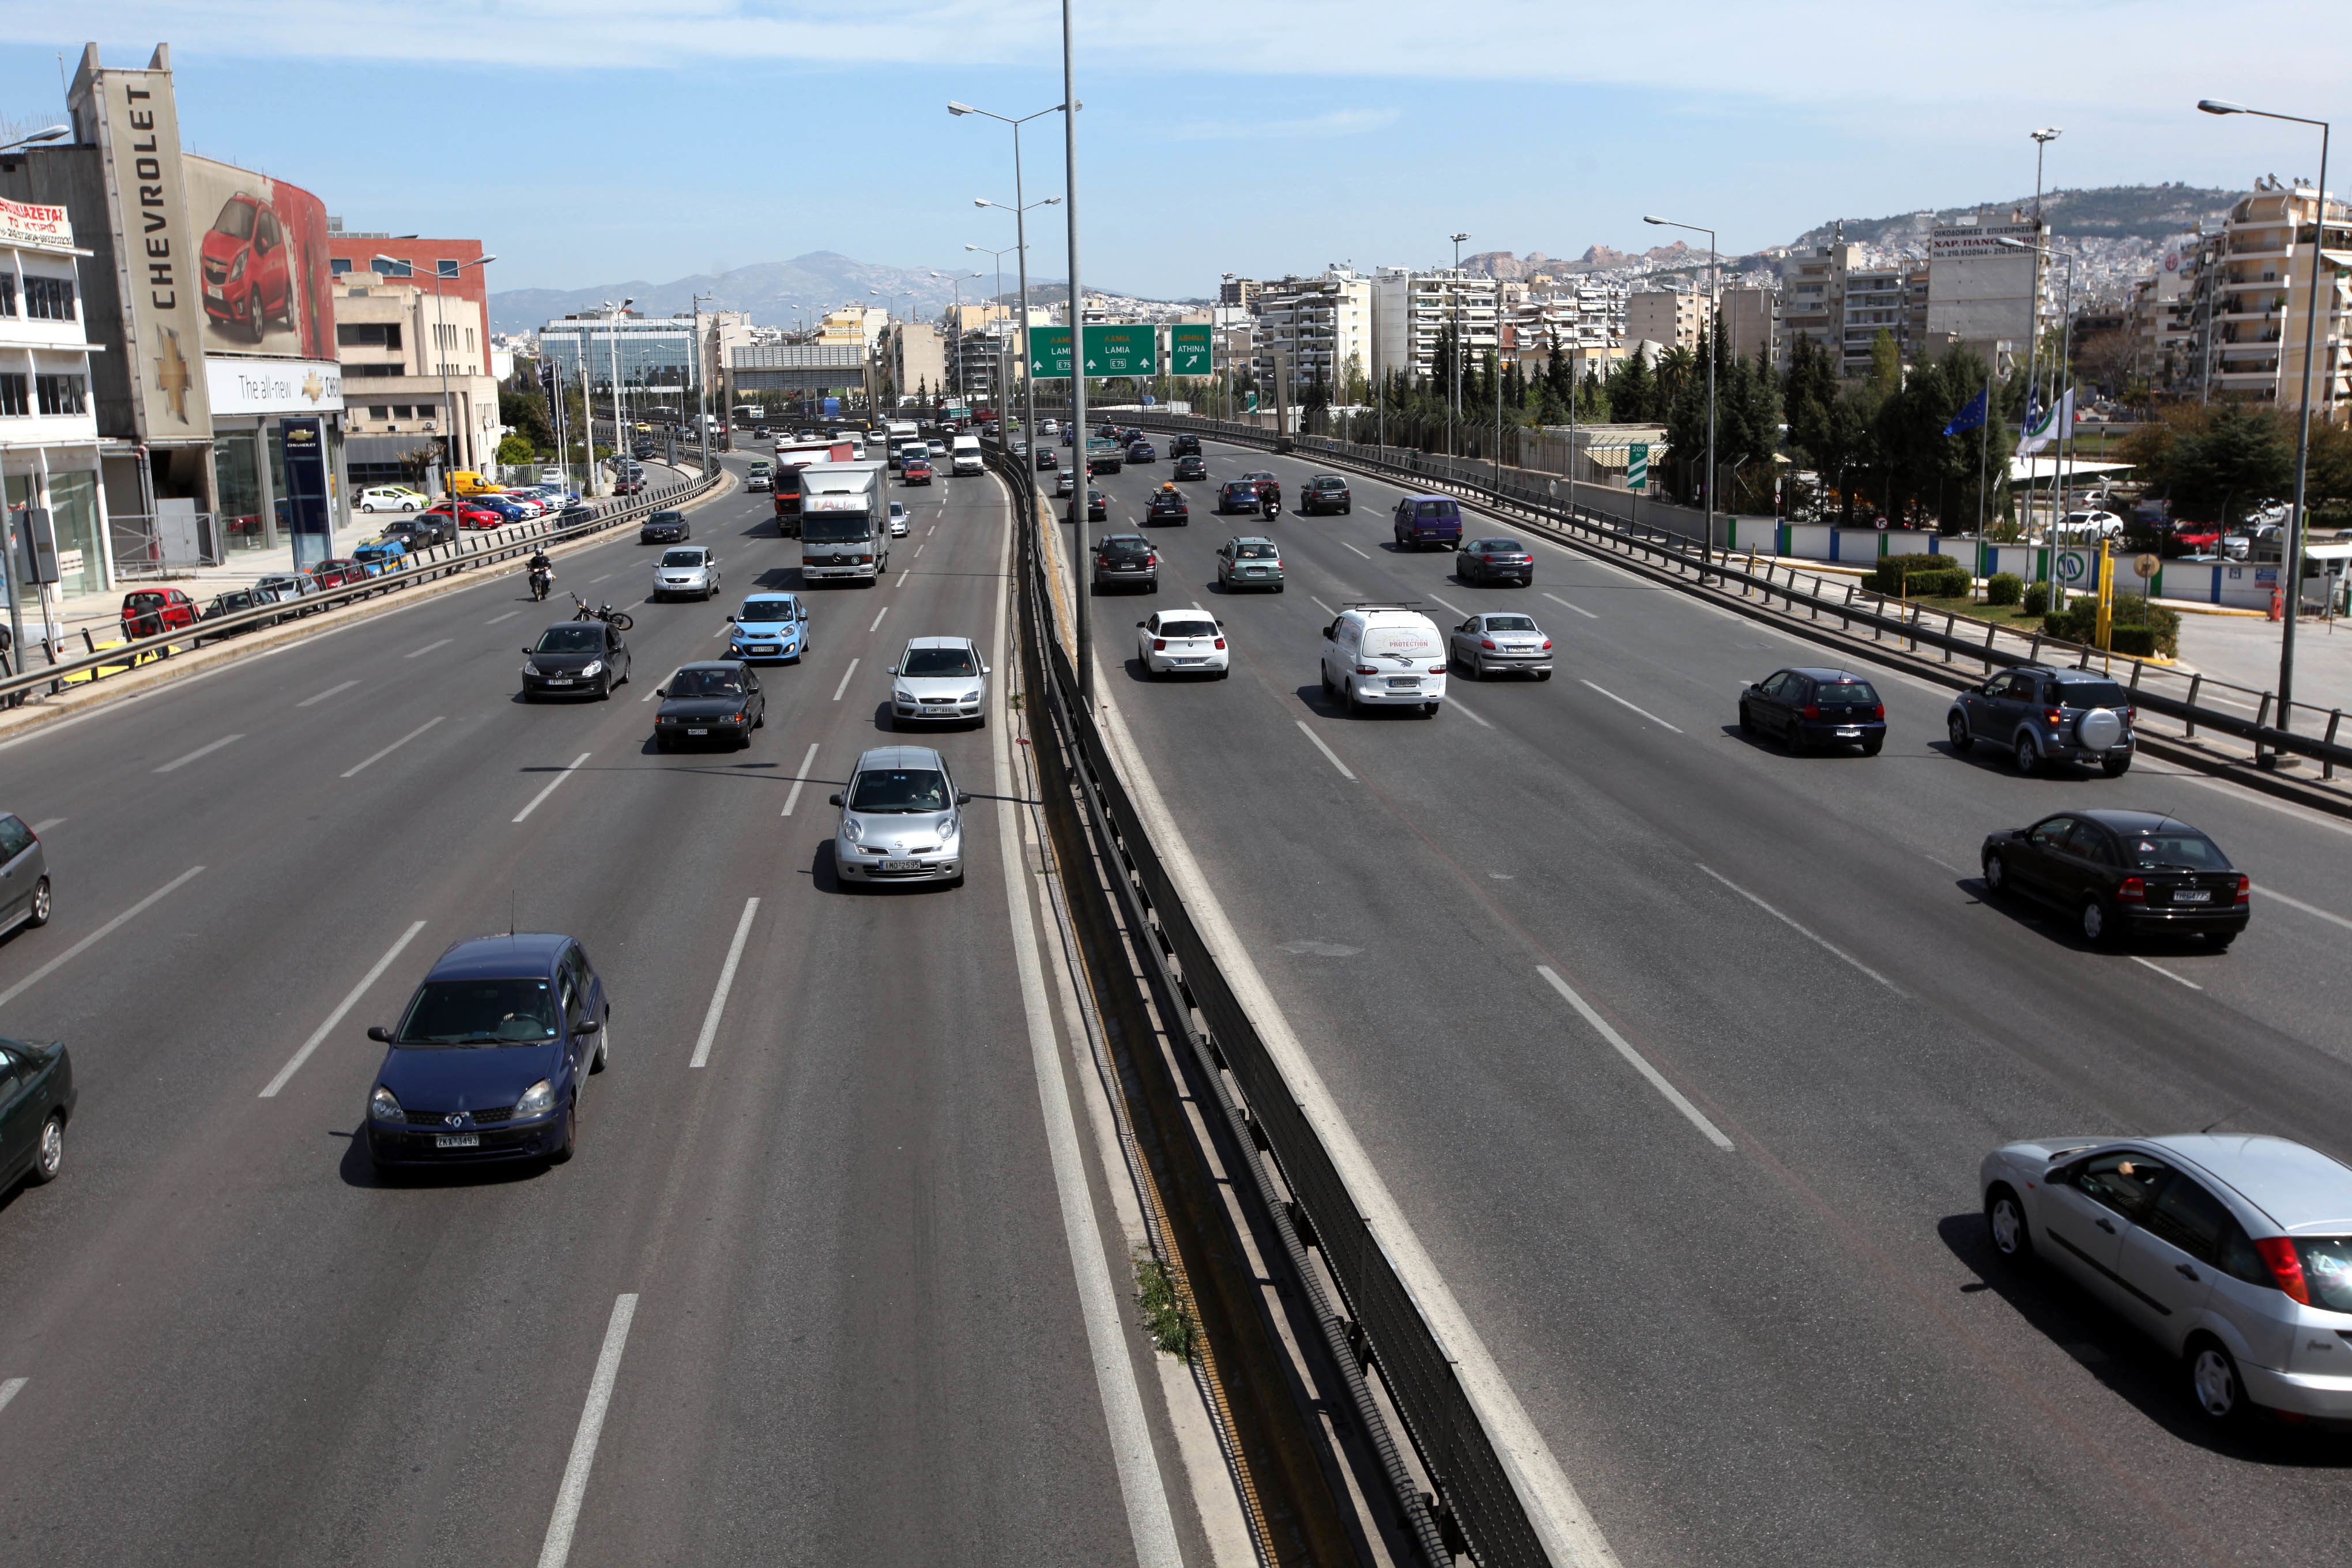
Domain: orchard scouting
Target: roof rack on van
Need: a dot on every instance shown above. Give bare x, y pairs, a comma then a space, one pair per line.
1380, 603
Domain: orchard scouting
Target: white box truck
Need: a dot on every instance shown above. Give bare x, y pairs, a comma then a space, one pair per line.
843, 523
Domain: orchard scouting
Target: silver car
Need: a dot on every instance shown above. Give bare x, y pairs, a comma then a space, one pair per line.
688, 570
23, 876
900, 820
936, 680
2232, 1251
1490, 644
897, 520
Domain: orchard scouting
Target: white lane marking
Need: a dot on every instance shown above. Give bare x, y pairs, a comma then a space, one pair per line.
1641, 1064
725, 984
428, 648
1149, 1522
10, 1389
920, 549
722, 631
1620, 702
1810, 935
1564, 604
336, 1017
1456, 703
899, 584
178, 764
550, 790
2240, 791
494, 620
569, 1496
1455, 608
107, 930
793, 799
2166, 972
1948, 866
1330, 755
877, 617
1324, 607
331, 690
46, 823
2313, 909
1345, 545
594, 580
935, 526
845, 680
397, 744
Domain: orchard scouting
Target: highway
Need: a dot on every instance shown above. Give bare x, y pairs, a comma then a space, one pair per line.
1764, 1324
822, 1300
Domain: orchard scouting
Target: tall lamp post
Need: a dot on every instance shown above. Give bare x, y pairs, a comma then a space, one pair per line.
2293, 553
1713, 353
441, 352
1020, 210
1453, 401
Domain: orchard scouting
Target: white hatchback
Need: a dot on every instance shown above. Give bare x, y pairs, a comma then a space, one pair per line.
1182, 642
391, 498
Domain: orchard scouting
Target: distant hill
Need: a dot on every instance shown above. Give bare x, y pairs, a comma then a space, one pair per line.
2109, 212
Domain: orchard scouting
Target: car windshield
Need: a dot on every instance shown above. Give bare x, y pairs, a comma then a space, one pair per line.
1258, 552
706, 683
2328, 1270
682, 558
1845, 692
236, 220
1511, 623
762, 611
576, 638
2093, 694
1329, 483
2182, 846
454, 1013
915, 789
1239, 487
835, 528
1188, 628
662, 517
939, 661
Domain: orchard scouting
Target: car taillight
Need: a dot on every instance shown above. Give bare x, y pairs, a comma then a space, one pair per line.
2133, 891
1547, 645
2245, 889
2286, 1267
1879, 712
1438, 670
1813, 709
2055, 715
1159, 645
1366, 670
1221, 642
1486, 643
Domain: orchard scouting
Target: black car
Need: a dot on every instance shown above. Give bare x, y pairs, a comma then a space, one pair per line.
2040, 716
1126, 558
1097, 509
1192, 466
1496, 561
1167, 506
664, 528
1047, 458
236, 602
1237, 495
2120, 871
1183, 446
1808, 708
1325, 492
422, 531
1141, 452
36, 1100
718, 702
575, 658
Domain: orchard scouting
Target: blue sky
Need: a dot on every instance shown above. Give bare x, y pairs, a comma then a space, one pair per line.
602, 141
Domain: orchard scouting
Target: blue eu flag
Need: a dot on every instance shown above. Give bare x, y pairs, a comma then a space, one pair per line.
1967, 418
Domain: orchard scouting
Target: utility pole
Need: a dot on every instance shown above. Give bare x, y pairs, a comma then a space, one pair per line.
702, 381
1077, 359
1454, 405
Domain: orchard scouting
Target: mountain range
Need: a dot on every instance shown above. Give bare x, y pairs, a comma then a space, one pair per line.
771, 291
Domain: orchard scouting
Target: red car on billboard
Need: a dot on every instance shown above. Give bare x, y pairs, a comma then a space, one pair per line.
246, 279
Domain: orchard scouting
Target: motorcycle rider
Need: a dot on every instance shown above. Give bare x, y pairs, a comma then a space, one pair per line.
1267, 505
542, 573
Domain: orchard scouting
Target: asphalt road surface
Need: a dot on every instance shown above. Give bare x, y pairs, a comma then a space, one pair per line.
821, 1288
1798, 1348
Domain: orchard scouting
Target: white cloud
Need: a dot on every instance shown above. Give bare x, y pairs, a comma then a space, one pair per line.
1338, 123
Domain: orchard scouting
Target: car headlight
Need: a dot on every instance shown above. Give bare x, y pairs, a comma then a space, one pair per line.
899, 693
236, 268
537, 1101
592, 666
853, 830
969, 697
531, 669
384, 1105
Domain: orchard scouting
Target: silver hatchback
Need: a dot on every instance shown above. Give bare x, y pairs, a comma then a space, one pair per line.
23, 876
688, 571
901, 819
2232, 1252
938, 680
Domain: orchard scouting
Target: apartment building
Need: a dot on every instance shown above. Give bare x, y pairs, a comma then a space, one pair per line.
1751, 324
49, 424
1320, 327
914, 357
1239, 294
1813, 302
1412, 310
1882, 298
1671, 317
2254, 298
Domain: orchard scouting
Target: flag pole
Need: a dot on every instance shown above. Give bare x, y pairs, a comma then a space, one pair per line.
1984, 456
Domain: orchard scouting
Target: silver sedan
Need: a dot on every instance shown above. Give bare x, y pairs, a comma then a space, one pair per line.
1499, 643
687, 572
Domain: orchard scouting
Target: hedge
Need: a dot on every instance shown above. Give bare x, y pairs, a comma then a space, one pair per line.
2035, 601
1936, 578
2141, 629
2005, 588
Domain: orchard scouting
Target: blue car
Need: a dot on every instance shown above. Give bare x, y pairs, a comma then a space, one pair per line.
503, 507
488, 1060
770, 626
382, 555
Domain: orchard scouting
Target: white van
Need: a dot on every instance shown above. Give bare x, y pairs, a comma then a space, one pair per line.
963, 455
1384, 655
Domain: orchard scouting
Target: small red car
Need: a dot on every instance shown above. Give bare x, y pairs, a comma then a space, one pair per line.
467, 516
246, 279
147, 612
916, 471
335, 573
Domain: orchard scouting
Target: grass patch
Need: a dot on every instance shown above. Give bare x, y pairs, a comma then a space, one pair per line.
1976, 609
1165, 1316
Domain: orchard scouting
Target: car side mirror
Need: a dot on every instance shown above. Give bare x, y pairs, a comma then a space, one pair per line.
833, 800
661, 691
892, 670
586, 1026
1139, 625
963, 797
984, 670
731, 620
379, 1034
526, 650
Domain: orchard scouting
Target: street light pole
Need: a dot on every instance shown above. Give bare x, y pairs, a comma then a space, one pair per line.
2057, 400
441, 349
1003, 375
2292, 556
1713, 353
1021, 206
702, 380
1454, 403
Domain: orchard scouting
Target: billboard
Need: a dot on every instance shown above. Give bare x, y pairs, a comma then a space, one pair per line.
1973, 241
263, 251
40, 228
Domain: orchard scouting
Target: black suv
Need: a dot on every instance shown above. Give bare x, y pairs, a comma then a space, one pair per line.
1183, 446
1126, 558
1325, 492
422, 531
2042, 715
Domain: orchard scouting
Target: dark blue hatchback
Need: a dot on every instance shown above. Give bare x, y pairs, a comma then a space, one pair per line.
1808, 707
488, 1060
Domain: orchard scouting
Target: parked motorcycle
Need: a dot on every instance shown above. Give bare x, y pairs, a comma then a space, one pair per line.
617, 619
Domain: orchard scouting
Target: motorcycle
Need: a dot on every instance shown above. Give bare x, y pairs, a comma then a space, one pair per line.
617, 619
1269, 507
541, 576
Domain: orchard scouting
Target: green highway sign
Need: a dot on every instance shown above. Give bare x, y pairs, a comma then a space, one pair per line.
1049, 353
1188, 351
1637, 466
1124, 349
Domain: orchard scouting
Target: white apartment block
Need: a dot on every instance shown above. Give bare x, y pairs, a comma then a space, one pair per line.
1412, 310
48, 426
2256, 299
1318, 326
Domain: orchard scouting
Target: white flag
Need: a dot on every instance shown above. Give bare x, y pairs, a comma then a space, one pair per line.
2048, 426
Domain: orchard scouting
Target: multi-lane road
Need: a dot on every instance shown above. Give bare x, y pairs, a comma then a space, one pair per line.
824, 1300
1763, 1324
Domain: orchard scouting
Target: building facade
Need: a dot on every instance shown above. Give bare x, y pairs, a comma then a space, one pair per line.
2256, 299
413, 336
49, 424
1320, 328
1411, 312
1983, 293
1671, 317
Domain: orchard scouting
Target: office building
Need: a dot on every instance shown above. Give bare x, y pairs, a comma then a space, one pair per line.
48, 426
411, 334
1319, 327
1411, 312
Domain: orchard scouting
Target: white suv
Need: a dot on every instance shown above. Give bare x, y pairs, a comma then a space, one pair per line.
1384, 655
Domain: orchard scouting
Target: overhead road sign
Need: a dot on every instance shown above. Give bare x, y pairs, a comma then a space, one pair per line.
1115, 349
1189, 351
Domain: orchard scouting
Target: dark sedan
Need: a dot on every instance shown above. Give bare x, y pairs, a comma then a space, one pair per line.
1047, 459
1141, 452
423, 530
665, 528
1126, 558
1808, 707
575, 658
1325, 493
236, 602
1167, 506
36, 1100
2119, 871
488, 1058
1237, 495
1192, 466
718, 702
1097, 509
1496, 561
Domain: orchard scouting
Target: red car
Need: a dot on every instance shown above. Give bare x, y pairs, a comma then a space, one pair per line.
916, 471
150, 611
246, 279
335, 573
467, 516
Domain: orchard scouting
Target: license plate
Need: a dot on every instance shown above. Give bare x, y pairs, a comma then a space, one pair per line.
902, 865
698, 732
564, 681
1404, 682
458, 1141
1848, 731
2192, 895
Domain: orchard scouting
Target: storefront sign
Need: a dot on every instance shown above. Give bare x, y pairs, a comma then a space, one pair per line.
274, 387
309, 517
46, 228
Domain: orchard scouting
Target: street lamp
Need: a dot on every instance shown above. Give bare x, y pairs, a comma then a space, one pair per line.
1453, 405
1019, 211
2041, 139
1713, 353
441, 349
702, 381
956, 282
1003, 372
2057, 400
2293, 553
50, 133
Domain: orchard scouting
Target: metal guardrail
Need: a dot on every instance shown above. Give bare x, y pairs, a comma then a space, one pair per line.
440, 560
1688, 555
1475, 1505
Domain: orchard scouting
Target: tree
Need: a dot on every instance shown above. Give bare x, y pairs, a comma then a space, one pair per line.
1886, 365
526, 412
2214, 463
1633, 392
2105, 359
516, 450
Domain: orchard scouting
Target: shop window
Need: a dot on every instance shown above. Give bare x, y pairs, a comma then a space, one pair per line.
49, 299
237, 468
12, 395
62, 394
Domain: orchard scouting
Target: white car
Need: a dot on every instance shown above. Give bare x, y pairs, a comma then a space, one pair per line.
2232, 1251
392, 498
897, 520
938, 680
1049, 427
1182, 642
1384, 655
686, 571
